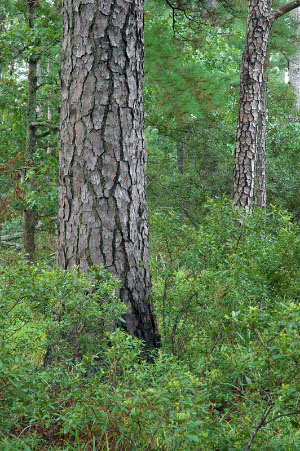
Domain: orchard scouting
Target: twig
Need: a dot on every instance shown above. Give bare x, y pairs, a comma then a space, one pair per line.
151, 440
288, 414
218, 338
261, 423
15, 304
194, 223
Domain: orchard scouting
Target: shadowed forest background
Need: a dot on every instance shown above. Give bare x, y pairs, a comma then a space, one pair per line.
223, 369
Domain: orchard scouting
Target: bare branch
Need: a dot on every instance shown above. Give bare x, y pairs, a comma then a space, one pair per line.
42, 135
279, 12
17, 235
15, 245
46, 124
12, 237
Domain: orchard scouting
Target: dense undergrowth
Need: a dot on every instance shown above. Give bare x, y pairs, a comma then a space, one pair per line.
227, 300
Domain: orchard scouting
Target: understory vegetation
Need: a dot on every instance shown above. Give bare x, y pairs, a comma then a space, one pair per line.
227, 301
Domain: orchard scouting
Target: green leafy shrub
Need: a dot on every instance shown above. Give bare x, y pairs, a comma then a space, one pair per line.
227, 301
95, 390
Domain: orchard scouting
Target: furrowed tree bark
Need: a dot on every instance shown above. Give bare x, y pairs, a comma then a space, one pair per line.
102, 205
28, 213
261, 157
252, 104
260, 20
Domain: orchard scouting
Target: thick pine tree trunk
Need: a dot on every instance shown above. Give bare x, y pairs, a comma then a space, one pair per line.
29, 214
102, 206
250, 139
260, 20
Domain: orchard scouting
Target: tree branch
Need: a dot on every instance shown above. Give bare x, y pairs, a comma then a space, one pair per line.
46, 124
193, 221
16, 245
17, 235
286, 8
12, 237
174, 7
42, 135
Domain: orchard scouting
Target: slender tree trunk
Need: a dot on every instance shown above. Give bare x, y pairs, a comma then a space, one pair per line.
251, 118
294, 65
49, 113
29, 214
102, 206
2, 30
